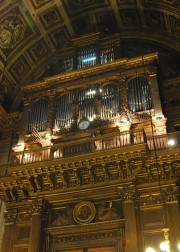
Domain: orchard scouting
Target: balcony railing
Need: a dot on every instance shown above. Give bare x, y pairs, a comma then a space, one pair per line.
166, 141
95, 144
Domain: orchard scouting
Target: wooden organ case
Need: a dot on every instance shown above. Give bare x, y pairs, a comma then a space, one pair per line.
82, 170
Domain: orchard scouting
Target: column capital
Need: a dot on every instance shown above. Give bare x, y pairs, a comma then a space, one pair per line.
170, 195
10, 216
128, 193
36, 206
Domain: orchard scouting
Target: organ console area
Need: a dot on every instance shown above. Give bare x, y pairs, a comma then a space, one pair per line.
104, 106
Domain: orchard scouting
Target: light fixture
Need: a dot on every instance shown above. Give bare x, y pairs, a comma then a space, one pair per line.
171, 142
149, 249
178, 246
124, 120
164, 246
48, 136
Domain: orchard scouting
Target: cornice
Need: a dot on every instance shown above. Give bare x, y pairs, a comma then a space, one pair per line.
92, 227
89, 72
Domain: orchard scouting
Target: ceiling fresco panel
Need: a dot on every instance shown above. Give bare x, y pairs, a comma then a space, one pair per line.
20, 68
38, 51
120, 2
85, 25
74, 7
13, 29
60, 38
155, 19
174, 3
106, 22
175, 25
51, 17
130, 17
39, 3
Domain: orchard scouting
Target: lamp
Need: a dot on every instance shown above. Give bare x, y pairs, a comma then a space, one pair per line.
149, 249
164, 245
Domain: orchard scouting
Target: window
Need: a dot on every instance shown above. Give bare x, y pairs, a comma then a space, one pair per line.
139, 94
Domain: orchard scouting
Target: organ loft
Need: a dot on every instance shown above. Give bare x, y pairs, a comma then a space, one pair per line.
90, 165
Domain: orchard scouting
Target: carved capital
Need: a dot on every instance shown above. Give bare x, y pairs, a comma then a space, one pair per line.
24, 217
10, 216
36, 206
170, 195
128, 193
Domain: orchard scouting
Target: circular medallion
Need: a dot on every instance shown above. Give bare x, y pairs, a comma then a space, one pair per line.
84, 212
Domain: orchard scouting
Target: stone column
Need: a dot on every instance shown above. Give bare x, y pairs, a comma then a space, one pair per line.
36, 207
131, 238
7, 241
173, 216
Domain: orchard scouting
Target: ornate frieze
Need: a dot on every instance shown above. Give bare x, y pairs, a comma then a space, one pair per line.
121, 167
88, 236
151, 200
86, 212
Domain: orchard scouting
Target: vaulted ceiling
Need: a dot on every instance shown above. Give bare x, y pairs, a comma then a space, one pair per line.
34, 32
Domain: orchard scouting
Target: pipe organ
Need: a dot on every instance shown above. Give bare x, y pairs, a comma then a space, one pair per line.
85, 177
139, 97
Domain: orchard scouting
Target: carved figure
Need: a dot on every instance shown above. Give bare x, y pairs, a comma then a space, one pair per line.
10, 31
65, 218
106, 213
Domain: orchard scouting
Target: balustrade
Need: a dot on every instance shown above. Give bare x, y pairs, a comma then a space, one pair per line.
109, 141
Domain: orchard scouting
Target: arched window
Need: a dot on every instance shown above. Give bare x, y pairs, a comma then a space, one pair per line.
139, 94
110, 101
86, 103
38, 115
63, 116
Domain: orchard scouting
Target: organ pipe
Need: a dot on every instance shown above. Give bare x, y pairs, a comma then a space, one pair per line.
38, 115
139, 94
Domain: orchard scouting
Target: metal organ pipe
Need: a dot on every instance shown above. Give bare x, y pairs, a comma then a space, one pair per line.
38, 115
139, 94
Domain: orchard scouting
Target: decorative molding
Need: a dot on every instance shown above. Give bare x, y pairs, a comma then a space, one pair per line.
116, 234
